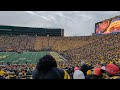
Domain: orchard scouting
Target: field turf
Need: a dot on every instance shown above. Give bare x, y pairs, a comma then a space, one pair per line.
14, 57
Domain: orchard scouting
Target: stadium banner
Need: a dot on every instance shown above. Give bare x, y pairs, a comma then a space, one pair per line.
108, 26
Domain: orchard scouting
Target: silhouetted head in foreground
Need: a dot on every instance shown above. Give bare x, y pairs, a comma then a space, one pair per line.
46, 68
46, 63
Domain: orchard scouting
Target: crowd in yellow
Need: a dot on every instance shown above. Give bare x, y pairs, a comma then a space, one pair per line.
103, 49
95, 51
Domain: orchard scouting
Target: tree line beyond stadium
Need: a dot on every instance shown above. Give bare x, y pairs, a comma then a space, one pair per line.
17, 30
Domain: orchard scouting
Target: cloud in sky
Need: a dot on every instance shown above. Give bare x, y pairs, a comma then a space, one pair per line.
77, 23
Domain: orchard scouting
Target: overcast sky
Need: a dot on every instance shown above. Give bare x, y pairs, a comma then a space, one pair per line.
74, 23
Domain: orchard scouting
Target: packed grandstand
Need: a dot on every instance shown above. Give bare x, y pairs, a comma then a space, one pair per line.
82, 57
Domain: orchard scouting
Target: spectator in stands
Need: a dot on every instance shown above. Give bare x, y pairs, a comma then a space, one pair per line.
71, 71
89, 74
84, 67
78, 74
112, 71
2, 73
47, 69
98, 72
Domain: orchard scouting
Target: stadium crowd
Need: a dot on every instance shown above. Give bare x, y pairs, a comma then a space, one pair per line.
92, 57
16, 71
16, 42
103, 49
48, 68
37, 43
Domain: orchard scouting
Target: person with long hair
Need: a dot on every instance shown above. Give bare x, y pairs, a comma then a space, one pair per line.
46, 68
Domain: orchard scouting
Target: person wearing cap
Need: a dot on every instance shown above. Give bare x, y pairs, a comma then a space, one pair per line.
112, 71
46, 68
78, 74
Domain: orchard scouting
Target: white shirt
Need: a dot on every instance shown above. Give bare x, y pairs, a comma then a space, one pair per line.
78, 75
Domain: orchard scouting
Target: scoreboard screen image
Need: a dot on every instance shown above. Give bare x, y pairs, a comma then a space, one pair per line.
108, 26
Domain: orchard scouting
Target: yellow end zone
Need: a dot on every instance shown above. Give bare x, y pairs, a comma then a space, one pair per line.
56, 56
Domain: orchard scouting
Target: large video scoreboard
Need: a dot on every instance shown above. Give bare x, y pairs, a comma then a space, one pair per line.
108, 26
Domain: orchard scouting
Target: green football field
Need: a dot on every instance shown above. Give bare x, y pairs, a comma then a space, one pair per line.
13, 57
